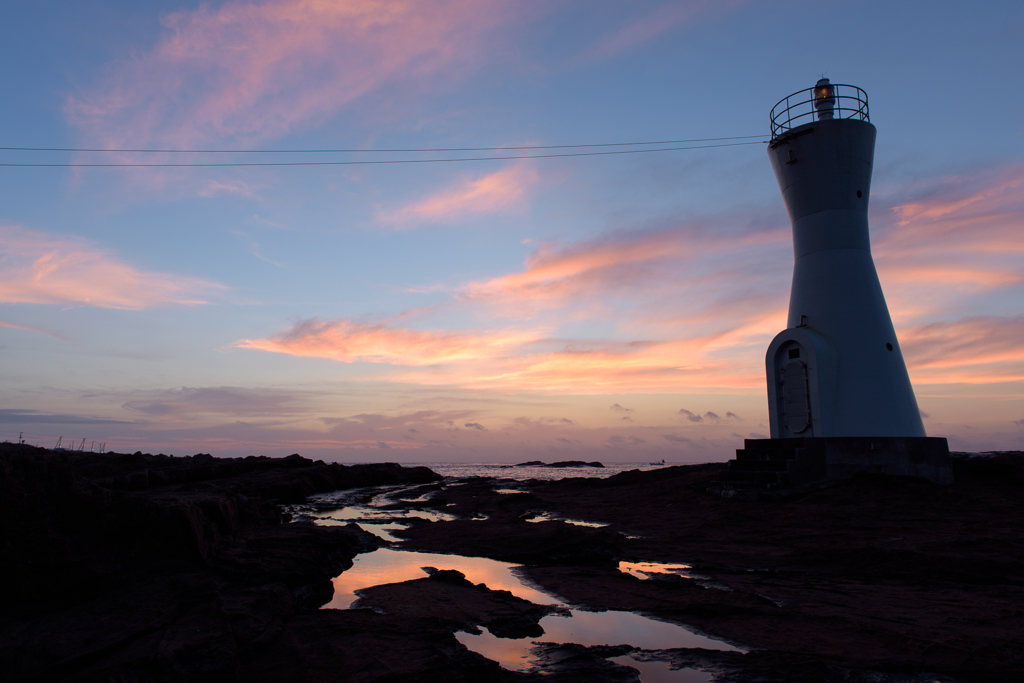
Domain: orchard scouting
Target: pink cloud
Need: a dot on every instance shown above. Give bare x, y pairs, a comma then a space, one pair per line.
247, 71
39, 268
499, 191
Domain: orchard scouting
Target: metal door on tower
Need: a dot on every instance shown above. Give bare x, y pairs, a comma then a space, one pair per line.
796, 400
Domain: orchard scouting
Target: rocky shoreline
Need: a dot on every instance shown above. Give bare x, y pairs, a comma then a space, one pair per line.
151, 568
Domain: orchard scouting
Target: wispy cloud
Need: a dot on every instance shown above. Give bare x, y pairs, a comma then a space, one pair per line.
29, 328
34, 417
255, 248
250, 71
655, 23
499, 191
187, 403
213, 188
41, 268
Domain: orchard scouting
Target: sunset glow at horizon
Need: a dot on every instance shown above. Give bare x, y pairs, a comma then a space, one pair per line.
613, 307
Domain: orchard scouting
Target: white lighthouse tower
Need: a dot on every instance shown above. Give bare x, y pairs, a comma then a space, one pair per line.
839, 396
837, 369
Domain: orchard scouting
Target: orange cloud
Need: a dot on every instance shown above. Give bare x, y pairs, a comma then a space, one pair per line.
959, 238
688, 307
972, 341
249, 71
957, 198
38, 268
527, 361
499, 191
670, 366
613, 261
693, 306
956, 253
348, 341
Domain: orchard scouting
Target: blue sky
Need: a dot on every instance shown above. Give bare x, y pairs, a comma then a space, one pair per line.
612, 307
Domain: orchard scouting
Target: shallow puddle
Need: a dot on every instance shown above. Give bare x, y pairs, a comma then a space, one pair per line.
366, 514
658, 672
394, 566
547, 517
643, 570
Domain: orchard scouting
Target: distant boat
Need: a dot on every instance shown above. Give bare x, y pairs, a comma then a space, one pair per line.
658, 463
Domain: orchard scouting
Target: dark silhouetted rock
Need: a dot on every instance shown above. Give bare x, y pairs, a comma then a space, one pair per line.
142, 567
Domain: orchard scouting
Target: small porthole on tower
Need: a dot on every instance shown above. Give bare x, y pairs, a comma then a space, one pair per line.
888, 346
794, 353
859, 194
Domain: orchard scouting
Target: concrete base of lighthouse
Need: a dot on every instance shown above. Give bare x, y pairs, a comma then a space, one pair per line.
781, 465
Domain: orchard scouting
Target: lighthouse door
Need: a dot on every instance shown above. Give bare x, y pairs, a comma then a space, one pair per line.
796, 400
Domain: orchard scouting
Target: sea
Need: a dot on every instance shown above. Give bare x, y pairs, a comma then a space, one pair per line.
459, 470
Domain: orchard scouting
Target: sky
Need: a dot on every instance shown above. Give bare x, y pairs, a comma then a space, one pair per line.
610, 307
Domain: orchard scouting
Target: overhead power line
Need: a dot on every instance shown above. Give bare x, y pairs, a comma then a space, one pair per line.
370, 151
384, 161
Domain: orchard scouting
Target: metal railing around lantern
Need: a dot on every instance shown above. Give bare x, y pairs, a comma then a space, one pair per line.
824, 101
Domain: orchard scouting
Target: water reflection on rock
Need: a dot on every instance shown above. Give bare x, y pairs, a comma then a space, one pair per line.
590, 629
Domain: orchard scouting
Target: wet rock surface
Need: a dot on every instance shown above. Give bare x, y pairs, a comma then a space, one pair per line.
877, 578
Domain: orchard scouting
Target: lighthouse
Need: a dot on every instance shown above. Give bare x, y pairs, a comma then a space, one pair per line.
840, 399
837, 368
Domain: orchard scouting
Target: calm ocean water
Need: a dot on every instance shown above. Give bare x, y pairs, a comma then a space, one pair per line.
476, 469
